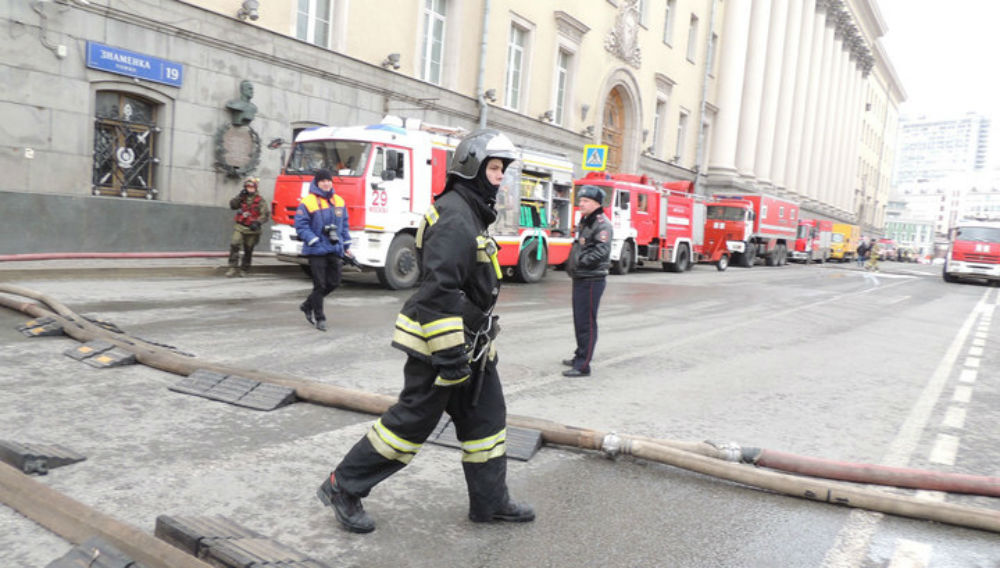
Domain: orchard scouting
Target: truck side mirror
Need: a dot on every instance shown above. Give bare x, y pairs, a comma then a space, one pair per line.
388, 175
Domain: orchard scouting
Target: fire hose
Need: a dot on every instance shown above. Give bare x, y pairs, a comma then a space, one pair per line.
722, 461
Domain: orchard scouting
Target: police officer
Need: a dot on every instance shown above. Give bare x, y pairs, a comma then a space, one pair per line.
251, 213
589, 261
446, 329
321, 222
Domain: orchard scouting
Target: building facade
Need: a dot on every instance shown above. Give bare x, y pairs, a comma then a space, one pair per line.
131, 126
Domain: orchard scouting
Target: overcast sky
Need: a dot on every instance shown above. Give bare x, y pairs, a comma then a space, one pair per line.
945, 54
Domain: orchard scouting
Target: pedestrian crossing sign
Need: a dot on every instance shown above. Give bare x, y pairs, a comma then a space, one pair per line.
595, 157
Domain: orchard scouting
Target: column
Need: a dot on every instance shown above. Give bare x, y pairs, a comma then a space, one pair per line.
807, 73
786, 97
831, 120
729, 92
817, 103
753, 88
772, 91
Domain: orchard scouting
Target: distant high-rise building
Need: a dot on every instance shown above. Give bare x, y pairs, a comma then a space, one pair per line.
934, 148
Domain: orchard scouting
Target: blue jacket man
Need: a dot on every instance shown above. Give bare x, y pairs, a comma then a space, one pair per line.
321, 222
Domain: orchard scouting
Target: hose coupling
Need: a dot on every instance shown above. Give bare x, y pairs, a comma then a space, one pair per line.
611, 445
729, 451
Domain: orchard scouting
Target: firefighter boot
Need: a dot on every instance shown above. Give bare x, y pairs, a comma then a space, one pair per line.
348, 508
488, 497
234, 257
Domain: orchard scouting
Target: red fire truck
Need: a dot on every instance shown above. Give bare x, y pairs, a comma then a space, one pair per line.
812, 243
753, 225
973, 251
388, 174
655, 223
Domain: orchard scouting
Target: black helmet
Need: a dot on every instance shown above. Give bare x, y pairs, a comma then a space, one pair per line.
473, 151
591, 192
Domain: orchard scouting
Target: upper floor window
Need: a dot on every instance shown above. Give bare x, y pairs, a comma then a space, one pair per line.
312, 21
658, 116
516, 47
562, 84
682, 122
692, 48
433, 41
668, 22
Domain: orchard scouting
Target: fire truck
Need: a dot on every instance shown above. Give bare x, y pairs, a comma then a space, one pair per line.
388, 174
973, 251
812, 242
753, 225
655, 223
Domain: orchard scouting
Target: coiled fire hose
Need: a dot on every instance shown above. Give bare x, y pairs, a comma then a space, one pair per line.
723, 461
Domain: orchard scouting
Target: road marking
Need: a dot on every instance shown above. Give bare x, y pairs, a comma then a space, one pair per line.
945, 449
954, 417
978, 342
968, 376
976, 351
972, 362
962, 394
910, 554
980, 335
851, 545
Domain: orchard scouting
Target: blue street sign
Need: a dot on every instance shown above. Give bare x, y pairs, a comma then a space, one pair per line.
132, 64
595, 157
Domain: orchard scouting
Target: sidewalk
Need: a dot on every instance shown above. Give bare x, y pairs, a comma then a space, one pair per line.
77, 266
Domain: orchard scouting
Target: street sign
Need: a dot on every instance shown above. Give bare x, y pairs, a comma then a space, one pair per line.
132, 64
595, 157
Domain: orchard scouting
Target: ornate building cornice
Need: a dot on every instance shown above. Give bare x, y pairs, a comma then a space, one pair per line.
570, 27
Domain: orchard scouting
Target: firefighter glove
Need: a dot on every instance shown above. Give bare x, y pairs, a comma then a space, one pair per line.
255, 226
454, 372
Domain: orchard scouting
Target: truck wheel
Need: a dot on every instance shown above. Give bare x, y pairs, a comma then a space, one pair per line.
624, 263
723, 263
529, 267
948, 277
682, 260
401, 269
782, 255
747, 256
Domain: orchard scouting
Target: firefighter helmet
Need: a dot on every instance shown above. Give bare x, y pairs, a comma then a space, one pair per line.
251, 181
476, 148
591, 192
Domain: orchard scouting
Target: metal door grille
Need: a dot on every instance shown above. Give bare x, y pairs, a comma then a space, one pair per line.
124, 142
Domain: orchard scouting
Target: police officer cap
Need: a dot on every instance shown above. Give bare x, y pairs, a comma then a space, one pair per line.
590, 192
478, 147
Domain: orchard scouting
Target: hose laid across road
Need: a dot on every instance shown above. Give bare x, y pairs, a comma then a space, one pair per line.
717, 461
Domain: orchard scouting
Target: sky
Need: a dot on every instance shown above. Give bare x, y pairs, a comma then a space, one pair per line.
945, 54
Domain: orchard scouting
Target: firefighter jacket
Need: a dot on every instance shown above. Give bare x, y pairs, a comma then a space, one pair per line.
322, 224
590, 256
459, 281
250, 208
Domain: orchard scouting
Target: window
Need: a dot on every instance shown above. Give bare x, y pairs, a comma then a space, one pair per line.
562, 83
312, 22
124, 144
433, 42
692, 48
515, 66
681, 136
658, 116
668, 22
712, 46
640, 5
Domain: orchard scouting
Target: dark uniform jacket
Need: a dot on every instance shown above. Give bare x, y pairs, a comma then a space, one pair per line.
590, 256
459, 280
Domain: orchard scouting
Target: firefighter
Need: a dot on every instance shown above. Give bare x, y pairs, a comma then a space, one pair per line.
446, 329
589, 261
251, 213
873, 252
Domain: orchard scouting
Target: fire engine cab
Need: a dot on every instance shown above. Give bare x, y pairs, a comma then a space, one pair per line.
812, 242
388, 174
753, 225
973, 251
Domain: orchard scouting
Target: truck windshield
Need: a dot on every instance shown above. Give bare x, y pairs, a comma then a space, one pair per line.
342, 157
724, 213
837, 237
803, 232
981, 234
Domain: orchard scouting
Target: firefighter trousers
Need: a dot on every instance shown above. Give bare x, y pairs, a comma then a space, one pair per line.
245, 241
398, 435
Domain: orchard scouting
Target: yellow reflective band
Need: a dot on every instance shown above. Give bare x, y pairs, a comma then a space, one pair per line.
442, 325
485, 443
431, 215
447, 341
385, 450
449, 383
413, 343
405, 323
483, 457
488, 247
393, 443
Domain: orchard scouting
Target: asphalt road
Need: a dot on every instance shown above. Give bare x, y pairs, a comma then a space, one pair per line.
895, 368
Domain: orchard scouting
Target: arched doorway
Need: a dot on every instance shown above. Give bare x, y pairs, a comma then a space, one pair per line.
613, 131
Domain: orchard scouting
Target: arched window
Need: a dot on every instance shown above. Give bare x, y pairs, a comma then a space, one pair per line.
125, 134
